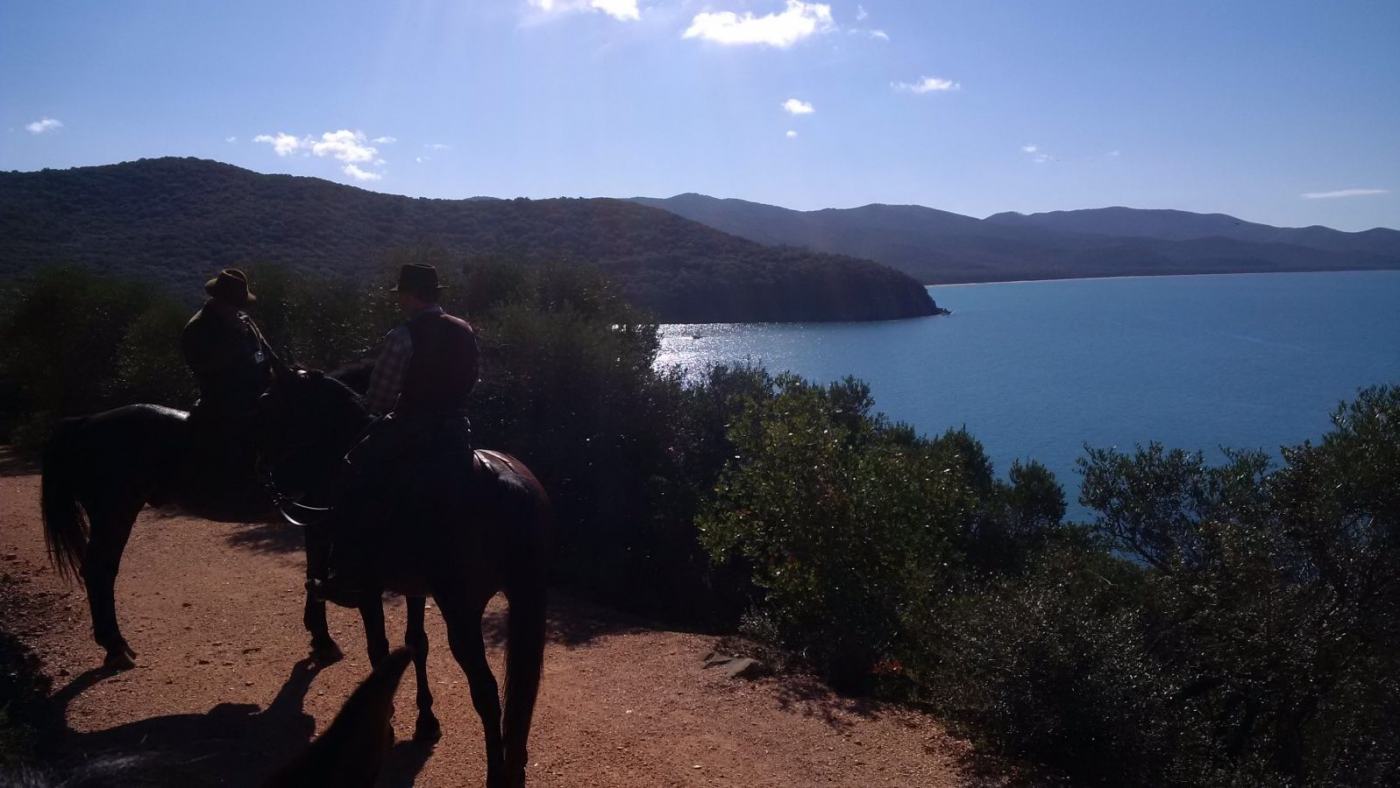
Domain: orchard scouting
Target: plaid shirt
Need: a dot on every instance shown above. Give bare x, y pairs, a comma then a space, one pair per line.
386, 381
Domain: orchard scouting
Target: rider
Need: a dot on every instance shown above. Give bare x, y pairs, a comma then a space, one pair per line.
420, 383
232, 365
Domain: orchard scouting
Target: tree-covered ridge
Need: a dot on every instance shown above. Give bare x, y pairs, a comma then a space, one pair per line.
939, 247
172, 221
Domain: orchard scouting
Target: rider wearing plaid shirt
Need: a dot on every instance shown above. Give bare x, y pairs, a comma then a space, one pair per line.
420, 385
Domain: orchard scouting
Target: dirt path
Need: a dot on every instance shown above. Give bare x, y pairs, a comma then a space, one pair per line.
219, 696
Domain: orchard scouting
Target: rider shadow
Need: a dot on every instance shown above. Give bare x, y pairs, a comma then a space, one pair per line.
232, 743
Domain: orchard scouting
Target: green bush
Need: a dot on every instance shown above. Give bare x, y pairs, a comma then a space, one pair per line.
837, 512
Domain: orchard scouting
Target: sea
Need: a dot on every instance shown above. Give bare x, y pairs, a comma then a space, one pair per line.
1039, 370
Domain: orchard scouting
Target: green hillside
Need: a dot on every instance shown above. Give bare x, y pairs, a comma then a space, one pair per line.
174, 221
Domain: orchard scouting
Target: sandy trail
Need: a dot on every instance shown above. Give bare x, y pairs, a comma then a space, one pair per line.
221, 695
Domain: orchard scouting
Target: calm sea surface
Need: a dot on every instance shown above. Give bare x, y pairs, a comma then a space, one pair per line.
1038, 369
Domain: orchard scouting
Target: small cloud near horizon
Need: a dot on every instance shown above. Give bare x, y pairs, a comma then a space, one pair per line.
43, 126
437, 146
385, 140
927, 85
1343, 193
230, 139
361, 175
351, 148
798, 107
792, 135
797, 21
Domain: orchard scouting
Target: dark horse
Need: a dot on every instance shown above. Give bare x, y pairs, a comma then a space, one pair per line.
486, 531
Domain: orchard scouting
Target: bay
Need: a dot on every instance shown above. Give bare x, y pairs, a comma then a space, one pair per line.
1035, 370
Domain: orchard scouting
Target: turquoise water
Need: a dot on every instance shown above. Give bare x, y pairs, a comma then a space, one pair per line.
1037, 369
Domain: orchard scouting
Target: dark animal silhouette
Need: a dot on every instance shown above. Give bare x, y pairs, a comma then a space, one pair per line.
351, 753
458, 528
483, 528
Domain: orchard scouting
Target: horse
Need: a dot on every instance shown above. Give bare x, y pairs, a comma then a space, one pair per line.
474, 525
110, 465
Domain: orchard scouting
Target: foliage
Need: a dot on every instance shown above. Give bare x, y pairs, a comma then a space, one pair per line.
73, 342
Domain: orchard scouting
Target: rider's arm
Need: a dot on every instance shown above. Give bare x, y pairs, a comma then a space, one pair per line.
386, 380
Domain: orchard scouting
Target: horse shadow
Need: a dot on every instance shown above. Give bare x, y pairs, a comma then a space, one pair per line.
236, 744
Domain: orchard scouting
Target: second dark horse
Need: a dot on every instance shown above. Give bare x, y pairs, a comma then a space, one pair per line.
490, 533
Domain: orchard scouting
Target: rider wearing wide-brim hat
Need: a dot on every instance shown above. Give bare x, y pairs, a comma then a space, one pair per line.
223, 345
421, 382
232, 364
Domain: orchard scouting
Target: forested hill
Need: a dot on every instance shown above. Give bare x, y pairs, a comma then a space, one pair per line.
174, 221
938, 246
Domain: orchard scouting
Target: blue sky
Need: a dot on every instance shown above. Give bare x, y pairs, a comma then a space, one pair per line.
1282, 112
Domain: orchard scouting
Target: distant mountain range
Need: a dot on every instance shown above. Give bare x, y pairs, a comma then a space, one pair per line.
175, 221
938, 247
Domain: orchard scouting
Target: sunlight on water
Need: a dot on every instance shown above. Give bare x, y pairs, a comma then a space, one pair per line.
1036, 369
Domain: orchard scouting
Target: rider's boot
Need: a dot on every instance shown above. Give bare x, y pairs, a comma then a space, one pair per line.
348, 582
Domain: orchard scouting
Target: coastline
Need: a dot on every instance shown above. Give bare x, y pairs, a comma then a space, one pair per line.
1159, 276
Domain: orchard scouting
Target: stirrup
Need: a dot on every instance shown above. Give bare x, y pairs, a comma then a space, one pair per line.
302, 515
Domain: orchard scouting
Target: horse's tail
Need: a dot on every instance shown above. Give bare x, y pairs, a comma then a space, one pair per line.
525, 637
65, 528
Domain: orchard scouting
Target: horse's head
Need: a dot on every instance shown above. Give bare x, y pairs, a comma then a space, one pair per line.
306, 422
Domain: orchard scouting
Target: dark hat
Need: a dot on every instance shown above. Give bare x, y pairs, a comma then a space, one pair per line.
230, 286
417, 279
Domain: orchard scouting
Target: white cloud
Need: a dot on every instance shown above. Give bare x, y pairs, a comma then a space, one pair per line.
361, 175
1113, 154
1343, 193
421, 159
621, 10
880, 34
284, 144
385, 140
230, 139
349, 147
43, 126
797, 107
926, 85
345, 145
792, 135
1037, 155
797, 21
861, 13
437, 146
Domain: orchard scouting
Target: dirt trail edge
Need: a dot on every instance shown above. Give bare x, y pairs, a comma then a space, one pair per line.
222, 692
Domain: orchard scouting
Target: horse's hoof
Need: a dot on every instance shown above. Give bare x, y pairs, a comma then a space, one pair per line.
324, 654
427, 730
120, 660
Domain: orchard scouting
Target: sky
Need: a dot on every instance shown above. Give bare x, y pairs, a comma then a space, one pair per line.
1282, 112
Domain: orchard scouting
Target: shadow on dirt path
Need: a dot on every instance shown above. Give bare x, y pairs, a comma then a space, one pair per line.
231, 744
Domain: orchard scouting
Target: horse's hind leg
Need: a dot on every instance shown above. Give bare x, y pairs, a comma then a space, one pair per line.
323, 647
426, 729
463, 617
111, 528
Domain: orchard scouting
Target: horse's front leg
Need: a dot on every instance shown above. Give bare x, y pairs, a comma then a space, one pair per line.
324, 650
372, 614
427, 728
